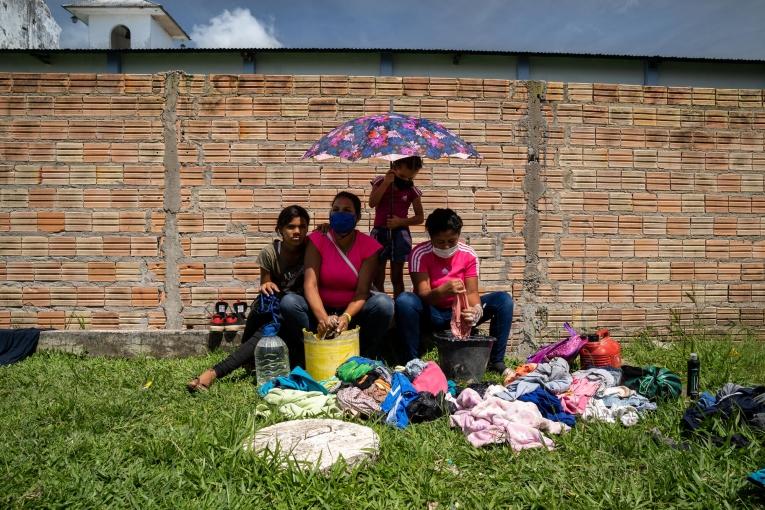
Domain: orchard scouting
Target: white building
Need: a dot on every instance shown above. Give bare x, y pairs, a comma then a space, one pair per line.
127, 24
27, 24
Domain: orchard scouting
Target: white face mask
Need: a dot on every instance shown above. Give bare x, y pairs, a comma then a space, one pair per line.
445, 253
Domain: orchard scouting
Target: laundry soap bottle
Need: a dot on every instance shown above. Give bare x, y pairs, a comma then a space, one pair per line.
271, 356
694, 371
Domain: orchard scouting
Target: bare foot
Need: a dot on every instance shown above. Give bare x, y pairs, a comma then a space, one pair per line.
203, 382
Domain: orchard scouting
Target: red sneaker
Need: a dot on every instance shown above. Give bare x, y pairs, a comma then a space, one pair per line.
233, 322
218, 320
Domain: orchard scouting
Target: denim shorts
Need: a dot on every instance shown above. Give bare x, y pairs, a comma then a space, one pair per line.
397, 243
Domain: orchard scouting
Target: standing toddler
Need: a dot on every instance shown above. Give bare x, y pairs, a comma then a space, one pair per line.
391, 196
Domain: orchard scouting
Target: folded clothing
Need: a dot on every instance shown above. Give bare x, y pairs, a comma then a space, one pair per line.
297, 404
355, 367
356, 402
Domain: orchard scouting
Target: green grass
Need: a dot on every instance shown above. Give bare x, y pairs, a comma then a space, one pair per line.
85, 433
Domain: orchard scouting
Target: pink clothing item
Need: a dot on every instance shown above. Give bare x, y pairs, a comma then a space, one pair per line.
575, 399
495, 420
460, 328
431, 379
398, 206
461, 265
337, 283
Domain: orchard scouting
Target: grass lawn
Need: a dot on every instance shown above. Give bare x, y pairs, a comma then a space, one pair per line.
85, 433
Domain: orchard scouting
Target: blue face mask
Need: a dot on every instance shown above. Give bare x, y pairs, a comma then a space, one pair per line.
342, 222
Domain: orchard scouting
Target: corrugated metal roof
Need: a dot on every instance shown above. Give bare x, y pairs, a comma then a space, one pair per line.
395, 50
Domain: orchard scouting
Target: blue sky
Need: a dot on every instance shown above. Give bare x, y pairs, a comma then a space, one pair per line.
685, 28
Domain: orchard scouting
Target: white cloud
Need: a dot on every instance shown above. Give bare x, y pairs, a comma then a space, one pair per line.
74, 35
235, 29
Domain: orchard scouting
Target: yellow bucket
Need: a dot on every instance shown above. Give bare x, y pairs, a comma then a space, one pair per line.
322, 357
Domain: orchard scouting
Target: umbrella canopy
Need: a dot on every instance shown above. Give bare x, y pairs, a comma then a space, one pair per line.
390, 136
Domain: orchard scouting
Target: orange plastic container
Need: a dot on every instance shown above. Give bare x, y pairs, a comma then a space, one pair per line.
601, 351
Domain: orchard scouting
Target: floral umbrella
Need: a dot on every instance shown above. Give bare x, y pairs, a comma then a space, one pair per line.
390, 136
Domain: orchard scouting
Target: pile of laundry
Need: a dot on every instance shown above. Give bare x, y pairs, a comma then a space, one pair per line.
539, 398
535, 400
363, 388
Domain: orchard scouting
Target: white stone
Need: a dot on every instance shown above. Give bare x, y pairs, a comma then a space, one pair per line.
316, 443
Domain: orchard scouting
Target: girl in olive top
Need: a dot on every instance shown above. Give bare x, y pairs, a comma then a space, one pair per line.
281, 273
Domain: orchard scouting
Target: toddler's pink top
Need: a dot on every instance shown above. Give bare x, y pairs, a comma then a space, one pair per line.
397, 206
337, 283
461, 265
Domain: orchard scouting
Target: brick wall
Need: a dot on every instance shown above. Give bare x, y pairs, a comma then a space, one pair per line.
135, 201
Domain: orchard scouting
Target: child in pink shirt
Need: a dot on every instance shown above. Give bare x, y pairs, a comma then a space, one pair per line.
441, 269
391, 196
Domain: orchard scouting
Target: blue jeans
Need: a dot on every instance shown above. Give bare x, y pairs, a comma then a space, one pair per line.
373, 319
412, 313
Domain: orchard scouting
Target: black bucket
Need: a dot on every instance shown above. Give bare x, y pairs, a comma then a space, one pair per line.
463, 360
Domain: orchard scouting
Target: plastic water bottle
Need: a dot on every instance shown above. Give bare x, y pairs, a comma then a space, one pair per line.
271, 357
694, 369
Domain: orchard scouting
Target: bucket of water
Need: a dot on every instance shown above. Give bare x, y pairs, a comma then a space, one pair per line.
463, 360
322, 357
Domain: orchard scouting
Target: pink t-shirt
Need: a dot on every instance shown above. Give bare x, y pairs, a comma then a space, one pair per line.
402, 199
337, 282
461, 265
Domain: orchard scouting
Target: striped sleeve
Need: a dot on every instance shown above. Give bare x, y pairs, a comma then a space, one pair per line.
415, 257
471, 266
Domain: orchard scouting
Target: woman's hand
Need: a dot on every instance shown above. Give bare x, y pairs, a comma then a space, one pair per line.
472, 315
269, 288
327, 326
322, 227
342, 323
453, 287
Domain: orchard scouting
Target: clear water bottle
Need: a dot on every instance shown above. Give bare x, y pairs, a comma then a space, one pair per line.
271, 357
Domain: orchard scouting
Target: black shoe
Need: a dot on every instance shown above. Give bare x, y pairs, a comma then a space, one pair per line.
498, 367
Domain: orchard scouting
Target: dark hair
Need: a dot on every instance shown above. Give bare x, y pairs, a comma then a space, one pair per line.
441, 220
413, 162
353, 198
289, 213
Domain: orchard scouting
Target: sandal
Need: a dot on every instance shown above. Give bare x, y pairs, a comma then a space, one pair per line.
196, 383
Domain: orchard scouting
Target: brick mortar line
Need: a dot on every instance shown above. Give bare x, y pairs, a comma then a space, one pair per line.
171, 244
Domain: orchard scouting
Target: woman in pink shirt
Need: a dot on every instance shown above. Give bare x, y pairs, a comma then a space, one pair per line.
441, 269
339, 267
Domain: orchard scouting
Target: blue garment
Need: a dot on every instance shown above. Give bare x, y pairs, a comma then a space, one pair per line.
401, 394
758, 478
298, 379
452, 387
411, 313
549, 405
17, 344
